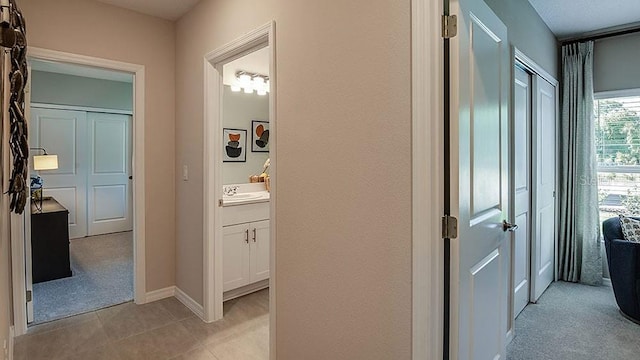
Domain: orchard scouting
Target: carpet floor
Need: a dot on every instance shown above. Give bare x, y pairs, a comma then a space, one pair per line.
573, 321
102, 268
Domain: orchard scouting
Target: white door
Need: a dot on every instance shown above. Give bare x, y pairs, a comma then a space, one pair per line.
109, 197
235, 256
62, 133
260, 253
543, 257
479, 109
521, 188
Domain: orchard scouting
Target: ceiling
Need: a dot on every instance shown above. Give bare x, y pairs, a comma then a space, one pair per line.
79, 70
573, 18
166, 9
254, 62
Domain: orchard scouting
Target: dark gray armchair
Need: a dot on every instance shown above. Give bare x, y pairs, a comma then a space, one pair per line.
624, 267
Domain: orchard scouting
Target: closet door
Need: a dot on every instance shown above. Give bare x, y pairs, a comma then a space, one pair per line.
62, 132
521, 188
109, 197
544, 230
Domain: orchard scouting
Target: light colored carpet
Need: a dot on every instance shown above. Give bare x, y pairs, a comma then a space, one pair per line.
102, 269
573, 321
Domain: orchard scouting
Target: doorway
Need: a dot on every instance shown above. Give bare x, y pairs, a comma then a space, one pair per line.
534, 146
82, 116
249, 236
97, 121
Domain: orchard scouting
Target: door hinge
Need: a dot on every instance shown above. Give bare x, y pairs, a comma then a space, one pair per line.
449, 26
449, 227
29, 295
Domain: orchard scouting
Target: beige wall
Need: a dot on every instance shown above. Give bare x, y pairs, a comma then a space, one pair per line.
95, 29
344, 169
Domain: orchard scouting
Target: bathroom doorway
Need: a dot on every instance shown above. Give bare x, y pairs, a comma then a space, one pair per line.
240, 176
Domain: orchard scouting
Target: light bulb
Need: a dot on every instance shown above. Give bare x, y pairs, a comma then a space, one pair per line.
262, 92
244, 79
248, 89
258, 81
235, 88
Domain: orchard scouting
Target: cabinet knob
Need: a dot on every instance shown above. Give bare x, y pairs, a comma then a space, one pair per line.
254, 234
246, 236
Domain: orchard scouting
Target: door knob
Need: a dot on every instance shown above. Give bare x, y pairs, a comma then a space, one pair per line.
506, 226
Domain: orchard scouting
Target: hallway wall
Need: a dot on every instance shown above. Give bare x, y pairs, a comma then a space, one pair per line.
343, 171
105, 31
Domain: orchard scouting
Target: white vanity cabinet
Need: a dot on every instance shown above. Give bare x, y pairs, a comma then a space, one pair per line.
245, 246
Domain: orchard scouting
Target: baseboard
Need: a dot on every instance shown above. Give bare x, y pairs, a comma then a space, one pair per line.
160, 294
191, 304
509, 337
245, 290
12, 336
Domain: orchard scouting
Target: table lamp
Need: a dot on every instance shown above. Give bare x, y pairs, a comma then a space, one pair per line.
42, 162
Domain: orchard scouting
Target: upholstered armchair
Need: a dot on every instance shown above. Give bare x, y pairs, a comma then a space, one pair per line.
623, 257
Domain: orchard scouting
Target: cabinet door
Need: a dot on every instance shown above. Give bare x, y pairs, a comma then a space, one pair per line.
260, 250
236, 256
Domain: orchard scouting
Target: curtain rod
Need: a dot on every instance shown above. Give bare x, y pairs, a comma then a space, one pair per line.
603, 36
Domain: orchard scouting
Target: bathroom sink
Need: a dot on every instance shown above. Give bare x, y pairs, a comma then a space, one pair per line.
242, 198
245, 196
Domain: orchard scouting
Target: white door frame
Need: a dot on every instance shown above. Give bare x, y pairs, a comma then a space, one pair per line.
19, 238
427, 114
212, 247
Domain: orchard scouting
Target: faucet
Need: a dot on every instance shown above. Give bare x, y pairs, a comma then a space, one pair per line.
230, 190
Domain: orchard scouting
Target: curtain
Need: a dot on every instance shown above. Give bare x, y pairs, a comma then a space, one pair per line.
579, 256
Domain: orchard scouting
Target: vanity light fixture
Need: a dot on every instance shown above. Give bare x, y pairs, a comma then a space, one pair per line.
248, 82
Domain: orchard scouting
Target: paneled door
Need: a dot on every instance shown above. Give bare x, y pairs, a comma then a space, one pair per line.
109, 196
94, 164
480, 70
62, 132
543, 257
522, 188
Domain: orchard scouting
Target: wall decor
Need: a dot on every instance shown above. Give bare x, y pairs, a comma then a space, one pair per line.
259, 136
235, 145
14, 41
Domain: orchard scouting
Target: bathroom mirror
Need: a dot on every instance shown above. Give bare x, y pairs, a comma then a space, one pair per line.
245, 116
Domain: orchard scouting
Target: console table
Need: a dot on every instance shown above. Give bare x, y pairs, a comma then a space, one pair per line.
49, 240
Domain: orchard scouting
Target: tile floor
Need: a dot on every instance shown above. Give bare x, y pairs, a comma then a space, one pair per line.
164, 329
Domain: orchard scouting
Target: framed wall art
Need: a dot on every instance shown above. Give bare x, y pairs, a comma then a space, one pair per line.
259, 136
234, 142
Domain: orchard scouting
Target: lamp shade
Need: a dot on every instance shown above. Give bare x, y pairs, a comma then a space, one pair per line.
45, 162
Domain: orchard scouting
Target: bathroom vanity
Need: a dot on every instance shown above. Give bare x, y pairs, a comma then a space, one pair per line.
245, 239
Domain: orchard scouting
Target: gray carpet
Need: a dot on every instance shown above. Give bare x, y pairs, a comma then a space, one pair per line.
572, 321
102, 269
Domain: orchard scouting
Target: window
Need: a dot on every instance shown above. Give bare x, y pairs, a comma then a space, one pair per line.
618, 153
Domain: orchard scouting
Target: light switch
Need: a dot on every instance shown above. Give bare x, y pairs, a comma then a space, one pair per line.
185, 173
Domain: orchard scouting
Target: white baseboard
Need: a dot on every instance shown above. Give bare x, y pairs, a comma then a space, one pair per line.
245, 290
160, 294
12, 336
509, 337
189, 303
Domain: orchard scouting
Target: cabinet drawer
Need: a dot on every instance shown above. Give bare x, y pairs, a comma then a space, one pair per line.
245, 213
